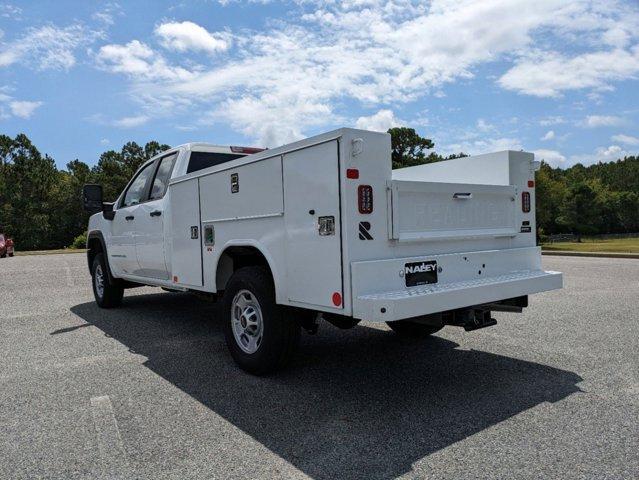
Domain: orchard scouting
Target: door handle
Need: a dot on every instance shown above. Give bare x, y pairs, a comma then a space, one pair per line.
463, 196
155, 213
129, 218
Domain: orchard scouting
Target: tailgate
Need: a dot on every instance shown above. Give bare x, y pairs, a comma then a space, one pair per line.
422, 211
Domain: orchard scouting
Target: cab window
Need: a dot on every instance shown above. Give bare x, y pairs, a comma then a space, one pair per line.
136, 192
162, 177
202, 160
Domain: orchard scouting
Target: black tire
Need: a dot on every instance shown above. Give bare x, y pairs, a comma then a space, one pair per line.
111, 294
280, 333
411, 329
11, 254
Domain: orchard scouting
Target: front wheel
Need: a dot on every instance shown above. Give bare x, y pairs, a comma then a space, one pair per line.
107, 294
259, 334
409, 329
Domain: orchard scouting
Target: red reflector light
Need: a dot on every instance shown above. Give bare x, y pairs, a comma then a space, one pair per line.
337, 299
531, 184
365, 199
352, 173
247, 150
525, 202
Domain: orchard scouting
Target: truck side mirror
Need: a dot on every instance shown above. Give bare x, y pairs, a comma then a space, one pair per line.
92, 198
107, 211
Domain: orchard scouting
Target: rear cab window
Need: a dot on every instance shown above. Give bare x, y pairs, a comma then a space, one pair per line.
202, 160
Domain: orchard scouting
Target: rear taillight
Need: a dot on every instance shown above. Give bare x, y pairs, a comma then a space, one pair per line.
525, 202
365, 199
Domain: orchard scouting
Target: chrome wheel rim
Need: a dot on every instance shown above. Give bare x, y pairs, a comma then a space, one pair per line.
246, 320
99, 281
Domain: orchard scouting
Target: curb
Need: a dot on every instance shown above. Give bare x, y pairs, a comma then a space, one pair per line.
24, 253
565, 253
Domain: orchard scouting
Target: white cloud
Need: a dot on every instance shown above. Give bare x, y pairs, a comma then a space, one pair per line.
484, 145
553, 73
131, 122
12, 107
552, 157
104, 141
380, 121
183, 36
595, 121
10, 11
22, 108
139, 61
108, 13
550, 134
47, 48
611, 151
305, 71
484, 126
625, 139
272, 119
552, 120
8, 56
601, 154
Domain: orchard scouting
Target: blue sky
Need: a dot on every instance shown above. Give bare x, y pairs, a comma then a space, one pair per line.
557, 77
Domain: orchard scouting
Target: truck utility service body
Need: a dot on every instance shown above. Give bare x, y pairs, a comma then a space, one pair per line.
338, 231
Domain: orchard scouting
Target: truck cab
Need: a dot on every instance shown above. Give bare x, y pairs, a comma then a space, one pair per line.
323, 229
135, 226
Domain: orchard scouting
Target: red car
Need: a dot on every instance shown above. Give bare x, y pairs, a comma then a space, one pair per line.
6, 246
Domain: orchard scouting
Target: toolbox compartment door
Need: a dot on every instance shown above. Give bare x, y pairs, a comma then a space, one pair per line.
186, 237
312, 196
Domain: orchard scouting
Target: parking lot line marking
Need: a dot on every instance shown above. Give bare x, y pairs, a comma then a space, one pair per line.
67, 269
112, 454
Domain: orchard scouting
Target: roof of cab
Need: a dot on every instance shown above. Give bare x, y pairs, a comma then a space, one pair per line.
199, 145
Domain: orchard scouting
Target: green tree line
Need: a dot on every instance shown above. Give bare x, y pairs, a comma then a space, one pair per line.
600, 198
40, 204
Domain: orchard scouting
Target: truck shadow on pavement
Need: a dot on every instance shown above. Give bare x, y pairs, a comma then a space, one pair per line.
360, 403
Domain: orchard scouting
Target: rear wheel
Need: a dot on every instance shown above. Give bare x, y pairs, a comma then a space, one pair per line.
412, 329
11, 254
107, 294
259, 334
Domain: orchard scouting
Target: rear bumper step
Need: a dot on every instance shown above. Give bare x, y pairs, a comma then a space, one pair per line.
434, 298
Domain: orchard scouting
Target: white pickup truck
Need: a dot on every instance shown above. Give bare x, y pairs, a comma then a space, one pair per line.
323, 229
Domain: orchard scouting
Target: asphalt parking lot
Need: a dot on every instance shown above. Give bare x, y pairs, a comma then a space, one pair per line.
149, 391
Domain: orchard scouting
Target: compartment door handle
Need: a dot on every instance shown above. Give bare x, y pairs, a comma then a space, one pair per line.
462, 196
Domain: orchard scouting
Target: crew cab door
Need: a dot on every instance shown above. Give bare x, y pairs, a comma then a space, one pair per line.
121, 249
149, 227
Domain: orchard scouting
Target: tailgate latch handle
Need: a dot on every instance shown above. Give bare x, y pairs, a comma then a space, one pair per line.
463, 196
